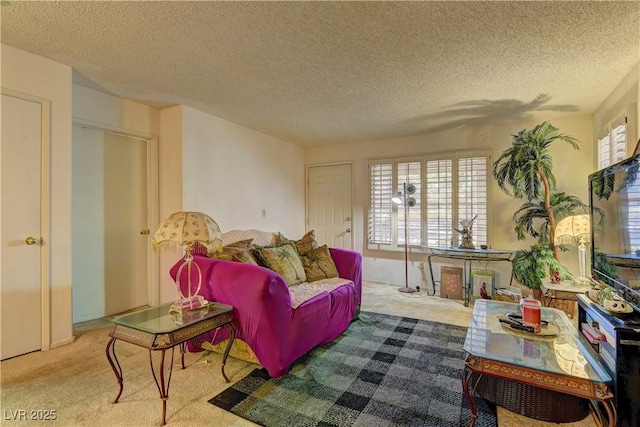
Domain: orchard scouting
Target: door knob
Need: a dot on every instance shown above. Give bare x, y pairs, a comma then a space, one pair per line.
144, 231
32, 240
348, 230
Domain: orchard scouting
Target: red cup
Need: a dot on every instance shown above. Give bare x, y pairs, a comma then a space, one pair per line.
531, 313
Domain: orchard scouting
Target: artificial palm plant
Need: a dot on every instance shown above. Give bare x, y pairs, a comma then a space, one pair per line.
531, 265
525, 170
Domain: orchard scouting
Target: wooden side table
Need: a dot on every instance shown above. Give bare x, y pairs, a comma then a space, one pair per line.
562, 295
157, 330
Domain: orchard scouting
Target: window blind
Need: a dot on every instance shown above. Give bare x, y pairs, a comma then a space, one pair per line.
380, 209
449, 187
612, 142
472, 195
439, 202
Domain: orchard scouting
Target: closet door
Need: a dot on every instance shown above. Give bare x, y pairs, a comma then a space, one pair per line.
110, 238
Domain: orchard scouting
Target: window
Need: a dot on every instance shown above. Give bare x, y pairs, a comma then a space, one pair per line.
448, 188
612, 142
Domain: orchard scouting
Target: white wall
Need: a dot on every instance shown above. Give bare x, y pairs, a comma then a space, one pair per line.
232, 173
571, 169
34, 75
229, 172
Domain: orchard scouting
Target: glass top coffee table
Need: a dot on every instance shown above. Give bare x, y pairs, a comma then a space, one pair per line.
156, 329
560, 362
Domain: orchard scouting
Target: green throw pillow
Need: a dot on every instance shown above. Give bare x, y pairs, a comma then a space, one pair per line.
285, 261
318, 264
306, 244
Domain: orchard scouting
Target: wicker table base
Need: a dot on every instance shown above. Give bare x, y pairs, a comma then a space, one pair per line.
533, 402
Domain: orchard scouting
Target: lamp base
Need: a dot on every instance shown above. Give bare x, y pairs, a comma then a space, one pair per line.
188, 303
407, 290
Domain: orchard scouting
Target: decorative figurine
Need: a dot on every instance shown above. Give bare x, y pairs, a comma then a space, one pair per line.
465, 231
483, 291
555, 278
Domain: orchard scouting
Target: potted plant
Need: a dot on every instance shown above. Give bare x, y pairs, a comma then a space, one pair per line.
531, 266
525, 170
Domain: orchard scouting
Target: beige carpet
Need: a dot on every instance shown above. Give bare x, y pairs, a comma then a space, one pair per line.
77, 382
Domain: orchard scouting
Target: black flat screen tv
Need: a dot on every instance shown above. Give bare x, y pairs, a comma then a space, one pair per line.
614, 196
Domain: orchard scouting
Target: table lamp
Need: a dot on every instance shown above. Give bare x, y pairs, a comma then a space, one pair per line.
185, 230
572, 230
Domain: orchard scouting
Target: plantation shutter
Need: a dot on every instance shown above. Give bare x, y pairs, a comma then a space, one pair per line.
612, 141
380, 205
439, 202
604, 151
473, 195
619, 139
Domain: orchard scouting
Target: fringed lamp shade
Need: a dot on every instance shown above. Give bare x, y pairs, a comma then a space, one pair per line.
189, 230
184, 229
575, 230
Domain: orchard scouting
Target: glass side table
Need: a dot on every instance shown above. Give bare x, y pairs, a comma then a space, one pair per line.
562, 363
157, 330
467, 256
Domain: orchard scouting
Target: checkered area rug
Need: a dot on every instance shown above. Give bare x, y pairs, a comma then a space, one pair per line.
383, 371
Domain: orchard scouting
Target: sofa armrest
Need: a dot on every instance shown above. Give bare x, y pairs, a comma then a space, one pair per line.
349, 266
261, 303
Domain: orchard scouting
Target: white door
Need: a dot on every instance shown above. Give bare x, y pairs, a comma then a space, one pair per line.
20, 283
330, 205
110, 242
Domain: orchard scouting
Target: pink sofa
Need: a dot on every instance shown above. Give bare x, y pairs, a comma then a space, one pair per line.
278, 326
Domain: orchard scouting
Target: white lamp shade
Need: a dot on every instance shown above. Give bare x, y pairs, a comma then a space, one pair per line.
397, 199
183, 229
573, 230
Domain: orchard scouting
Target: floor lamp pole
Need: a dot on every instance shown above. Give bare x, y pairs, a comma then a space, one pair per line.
406, 287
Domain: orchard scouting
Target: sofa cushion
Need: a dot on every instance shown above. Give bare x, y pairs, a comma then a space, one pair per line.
318, 264
285, 261
305, 291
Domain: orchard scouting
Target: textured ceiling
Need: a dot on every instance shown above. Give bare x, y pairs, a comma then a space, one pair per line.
327, 72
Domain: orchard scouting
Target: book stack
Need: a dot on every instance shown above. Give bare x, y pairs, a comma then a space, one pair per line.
592, 334
508, 294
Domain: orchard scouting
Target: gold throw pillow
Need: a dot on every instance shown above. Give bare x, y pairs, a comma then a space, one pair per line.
319, 265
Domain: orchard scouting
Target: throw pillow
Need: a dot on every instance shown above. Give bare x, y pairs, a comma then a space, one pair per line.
318, 264
306, 244
245, 257
285, 261
232, 249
